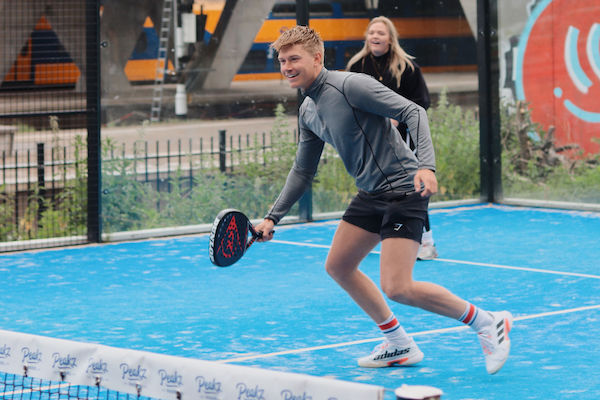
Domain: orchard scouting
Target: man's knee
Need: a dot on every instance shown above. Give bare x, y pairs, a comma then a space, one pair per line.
399, 292
335, 270
340, 270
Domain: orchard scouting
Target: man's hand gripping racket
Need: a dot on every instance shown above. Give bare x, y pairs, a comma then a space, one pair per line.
229, 237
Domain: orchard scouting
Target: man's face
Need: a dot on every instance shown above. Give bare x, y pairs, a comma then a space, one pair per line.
299, 66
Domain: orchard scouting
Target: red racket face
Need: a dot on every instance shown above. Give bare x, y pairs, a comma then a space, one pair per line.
228, 238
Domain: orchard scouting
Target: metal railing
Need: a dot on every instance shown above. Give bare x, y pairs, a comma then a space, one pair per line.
36, 180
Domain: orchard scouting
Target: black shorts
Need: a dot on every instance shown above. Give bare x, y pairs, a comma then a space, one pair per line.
389, 214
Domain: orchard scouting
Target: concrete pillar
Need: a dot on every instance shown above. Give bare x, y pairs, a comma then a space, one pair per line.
246, 21
470, 10
122, 24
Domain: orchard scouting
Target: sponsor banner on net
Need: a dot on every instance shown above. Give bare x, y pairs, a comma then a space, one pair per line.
163, 376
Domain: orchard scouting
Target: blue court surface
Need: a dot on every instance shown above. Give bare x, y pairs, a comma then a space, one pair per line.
278, 309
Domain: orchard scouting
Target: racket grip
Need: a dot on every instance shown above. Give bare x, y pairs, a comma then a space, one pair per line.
259, 235
255, 235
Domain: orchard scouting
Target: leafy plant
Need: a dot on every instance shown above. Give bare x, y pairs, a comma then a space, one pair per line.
7, 211
532, 167
535, 167
455, 135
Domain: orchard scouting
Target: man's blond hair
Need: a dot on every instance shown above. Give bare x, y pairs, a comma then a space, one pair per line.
302, 35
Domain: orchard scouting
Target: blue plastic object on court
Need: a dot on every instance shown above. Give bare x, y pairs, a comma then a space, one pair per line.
278, 309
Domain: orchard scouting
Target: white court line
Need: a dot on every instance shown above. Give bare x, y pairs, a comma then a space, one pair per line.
545, 271
323, 246
422, 333
480, 264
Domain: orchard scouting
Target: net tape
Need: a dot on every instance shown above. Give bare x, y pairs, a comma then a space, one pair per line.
159, 376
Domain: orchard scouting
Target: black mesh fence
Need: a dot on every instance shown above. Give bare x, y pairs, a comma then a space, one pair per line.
46, 101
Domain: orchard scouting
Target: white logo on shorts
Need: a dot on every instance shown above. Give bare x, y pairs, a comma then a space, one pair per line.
397, 227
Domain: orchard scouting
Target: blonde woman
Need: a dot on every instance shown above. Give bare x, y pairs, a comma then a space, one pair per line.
383, 58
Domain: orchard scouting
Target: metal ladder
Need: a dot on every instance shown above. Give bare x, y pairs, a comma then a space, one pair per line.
161, 60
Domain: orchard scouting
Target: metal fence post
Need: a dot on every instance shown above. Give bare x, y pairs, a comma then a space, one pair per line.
41, 178
222, 150
92, 74
490, 152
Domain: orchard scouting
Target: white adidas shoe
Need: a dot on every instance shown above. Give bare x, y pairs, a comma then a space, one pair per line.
495, 342
387, 354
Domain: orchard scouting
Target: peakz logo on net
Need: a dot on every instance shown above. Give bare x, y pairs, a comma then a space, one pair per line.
63, 363
5, 351
249, 393
289, 395
133, 374
170, 380
96, 367
31, 356
208, 387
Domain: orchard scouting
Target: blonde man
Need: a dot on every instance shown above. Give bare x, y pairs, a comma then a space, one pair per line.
352, 112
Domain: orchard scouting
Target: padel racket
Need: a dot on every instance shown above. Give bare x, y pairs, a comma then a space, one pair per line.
229, 237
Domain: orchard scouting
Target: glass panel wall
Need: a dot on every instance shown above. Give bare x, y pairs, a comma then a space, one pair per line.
440, 37
43, 123
550, 85
197, 118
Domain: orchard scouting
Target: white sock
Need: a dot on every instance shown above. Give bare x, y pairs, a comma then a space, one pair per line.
427, 238
394, 332
475, 317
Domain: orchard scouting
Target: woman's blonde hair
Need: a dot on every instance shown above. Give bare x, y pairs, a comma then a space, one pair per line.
304, 36
398, 60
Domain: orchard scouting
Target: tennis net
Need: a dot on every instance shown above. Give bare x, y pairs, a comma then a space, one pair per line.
38, 367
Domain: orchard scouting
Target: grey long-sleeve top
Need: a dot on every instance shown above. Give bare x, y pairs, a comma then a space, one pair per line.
352, 112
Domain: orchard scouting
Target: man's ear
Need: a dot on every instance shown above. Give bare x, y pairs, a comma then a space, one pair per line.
319, 58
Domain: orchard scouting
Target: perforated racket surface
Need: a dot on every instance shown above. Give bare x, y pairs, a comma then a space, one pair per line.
229, 237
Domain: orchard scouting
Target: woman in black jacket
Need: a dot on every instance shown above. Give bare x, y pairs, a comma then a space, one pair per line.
383, 58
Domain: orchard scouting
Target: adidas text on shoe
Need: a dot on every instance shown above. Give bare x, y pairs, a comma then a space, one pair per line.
427, 252
495, 342
387, 355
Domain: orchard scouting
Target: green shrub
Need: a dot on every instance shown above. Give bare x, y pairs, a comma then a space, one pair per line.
259, 175
333, 187
455, 135
534, 167
7, 212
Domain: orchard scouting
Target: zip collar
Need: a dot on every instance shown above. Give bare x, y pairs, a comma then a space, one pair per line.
315, 87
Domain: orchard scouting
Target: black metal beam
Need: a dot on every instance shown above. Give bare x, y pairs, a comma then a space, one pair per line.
305, 203
302, 12
489, 100
92, 74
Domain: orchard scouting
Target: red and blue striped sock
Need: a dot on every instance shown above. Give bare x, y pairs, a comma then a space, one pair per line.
475, 317
394, 332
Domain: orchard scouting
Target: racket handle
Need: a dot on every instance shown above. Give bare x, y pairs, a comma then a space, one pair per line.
255, 235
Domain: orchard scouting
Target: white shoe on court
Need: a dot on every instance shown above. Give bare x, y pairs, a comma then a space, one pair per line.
495, 342
387, 354
427, 252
